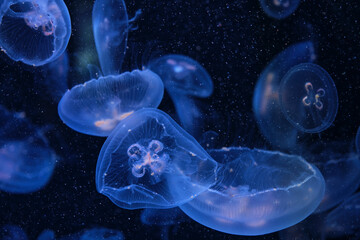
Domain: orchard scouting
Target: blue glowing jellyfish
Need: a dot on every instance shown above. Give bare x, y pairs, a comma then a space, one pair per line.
55, 76
266, 105
97, 106
184, 79
110, 27
340, 168
308, 98
102, 234
258, 192
46, 235
344, 220
12, 232
146, 156
279, 9
26, 161
35, 32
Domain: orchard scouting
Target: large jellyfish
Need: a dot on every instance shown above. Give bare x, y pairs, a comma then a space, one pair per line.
35, 32
258, 192
97, 106
26, 161
184, 79
279, 9
266, 102
146, 156
308, 98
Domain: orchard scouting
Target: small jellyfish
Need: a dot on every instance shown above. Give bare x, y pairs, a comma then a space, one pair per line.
97, 106
146, 156
184, 79
102, 234
344, 220
26, 161
279, 9
46, 235
308, 98
266, 105
258, 192
35, 32
12, 232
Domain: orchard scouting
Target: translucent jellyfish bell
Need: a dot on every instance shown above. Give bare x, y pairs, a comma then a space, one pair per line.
146, 156
344, 220
258, 192
308, 98
35, 32
26, 161
279, 9
97, 106
184, 78
266, 100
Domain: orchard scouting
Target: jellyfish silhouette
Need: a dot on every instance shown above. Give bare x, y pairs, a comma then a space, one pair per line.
97, 106
308, 98
344, 220
11, 232
46, 235
340, 167
184, 79
146, 156
34, 32
258, 192
26, 161
279, 9
266, 100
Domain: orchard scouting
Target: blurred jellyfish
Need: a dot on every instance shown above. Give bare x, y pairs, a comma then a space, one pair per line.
26, 161
97, 106
46, 235
147, 155
12, 232
35, 32
55, 76
184, 79
102, 234
308, 98
110, 27
164, 218
279, 9
340, 168
344, 220
266, 103
258, 192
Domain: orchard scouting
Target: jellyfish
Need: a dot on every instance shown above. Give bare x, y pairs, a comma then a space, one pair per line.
308, 98
110, 27
184, 79
97, 106
102, 234
258, 192
11, 232
46, 235
55, 76
34, 32
26, 160
340, 168
279, 9
163, 218
344, 219
266, 103
146, 156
